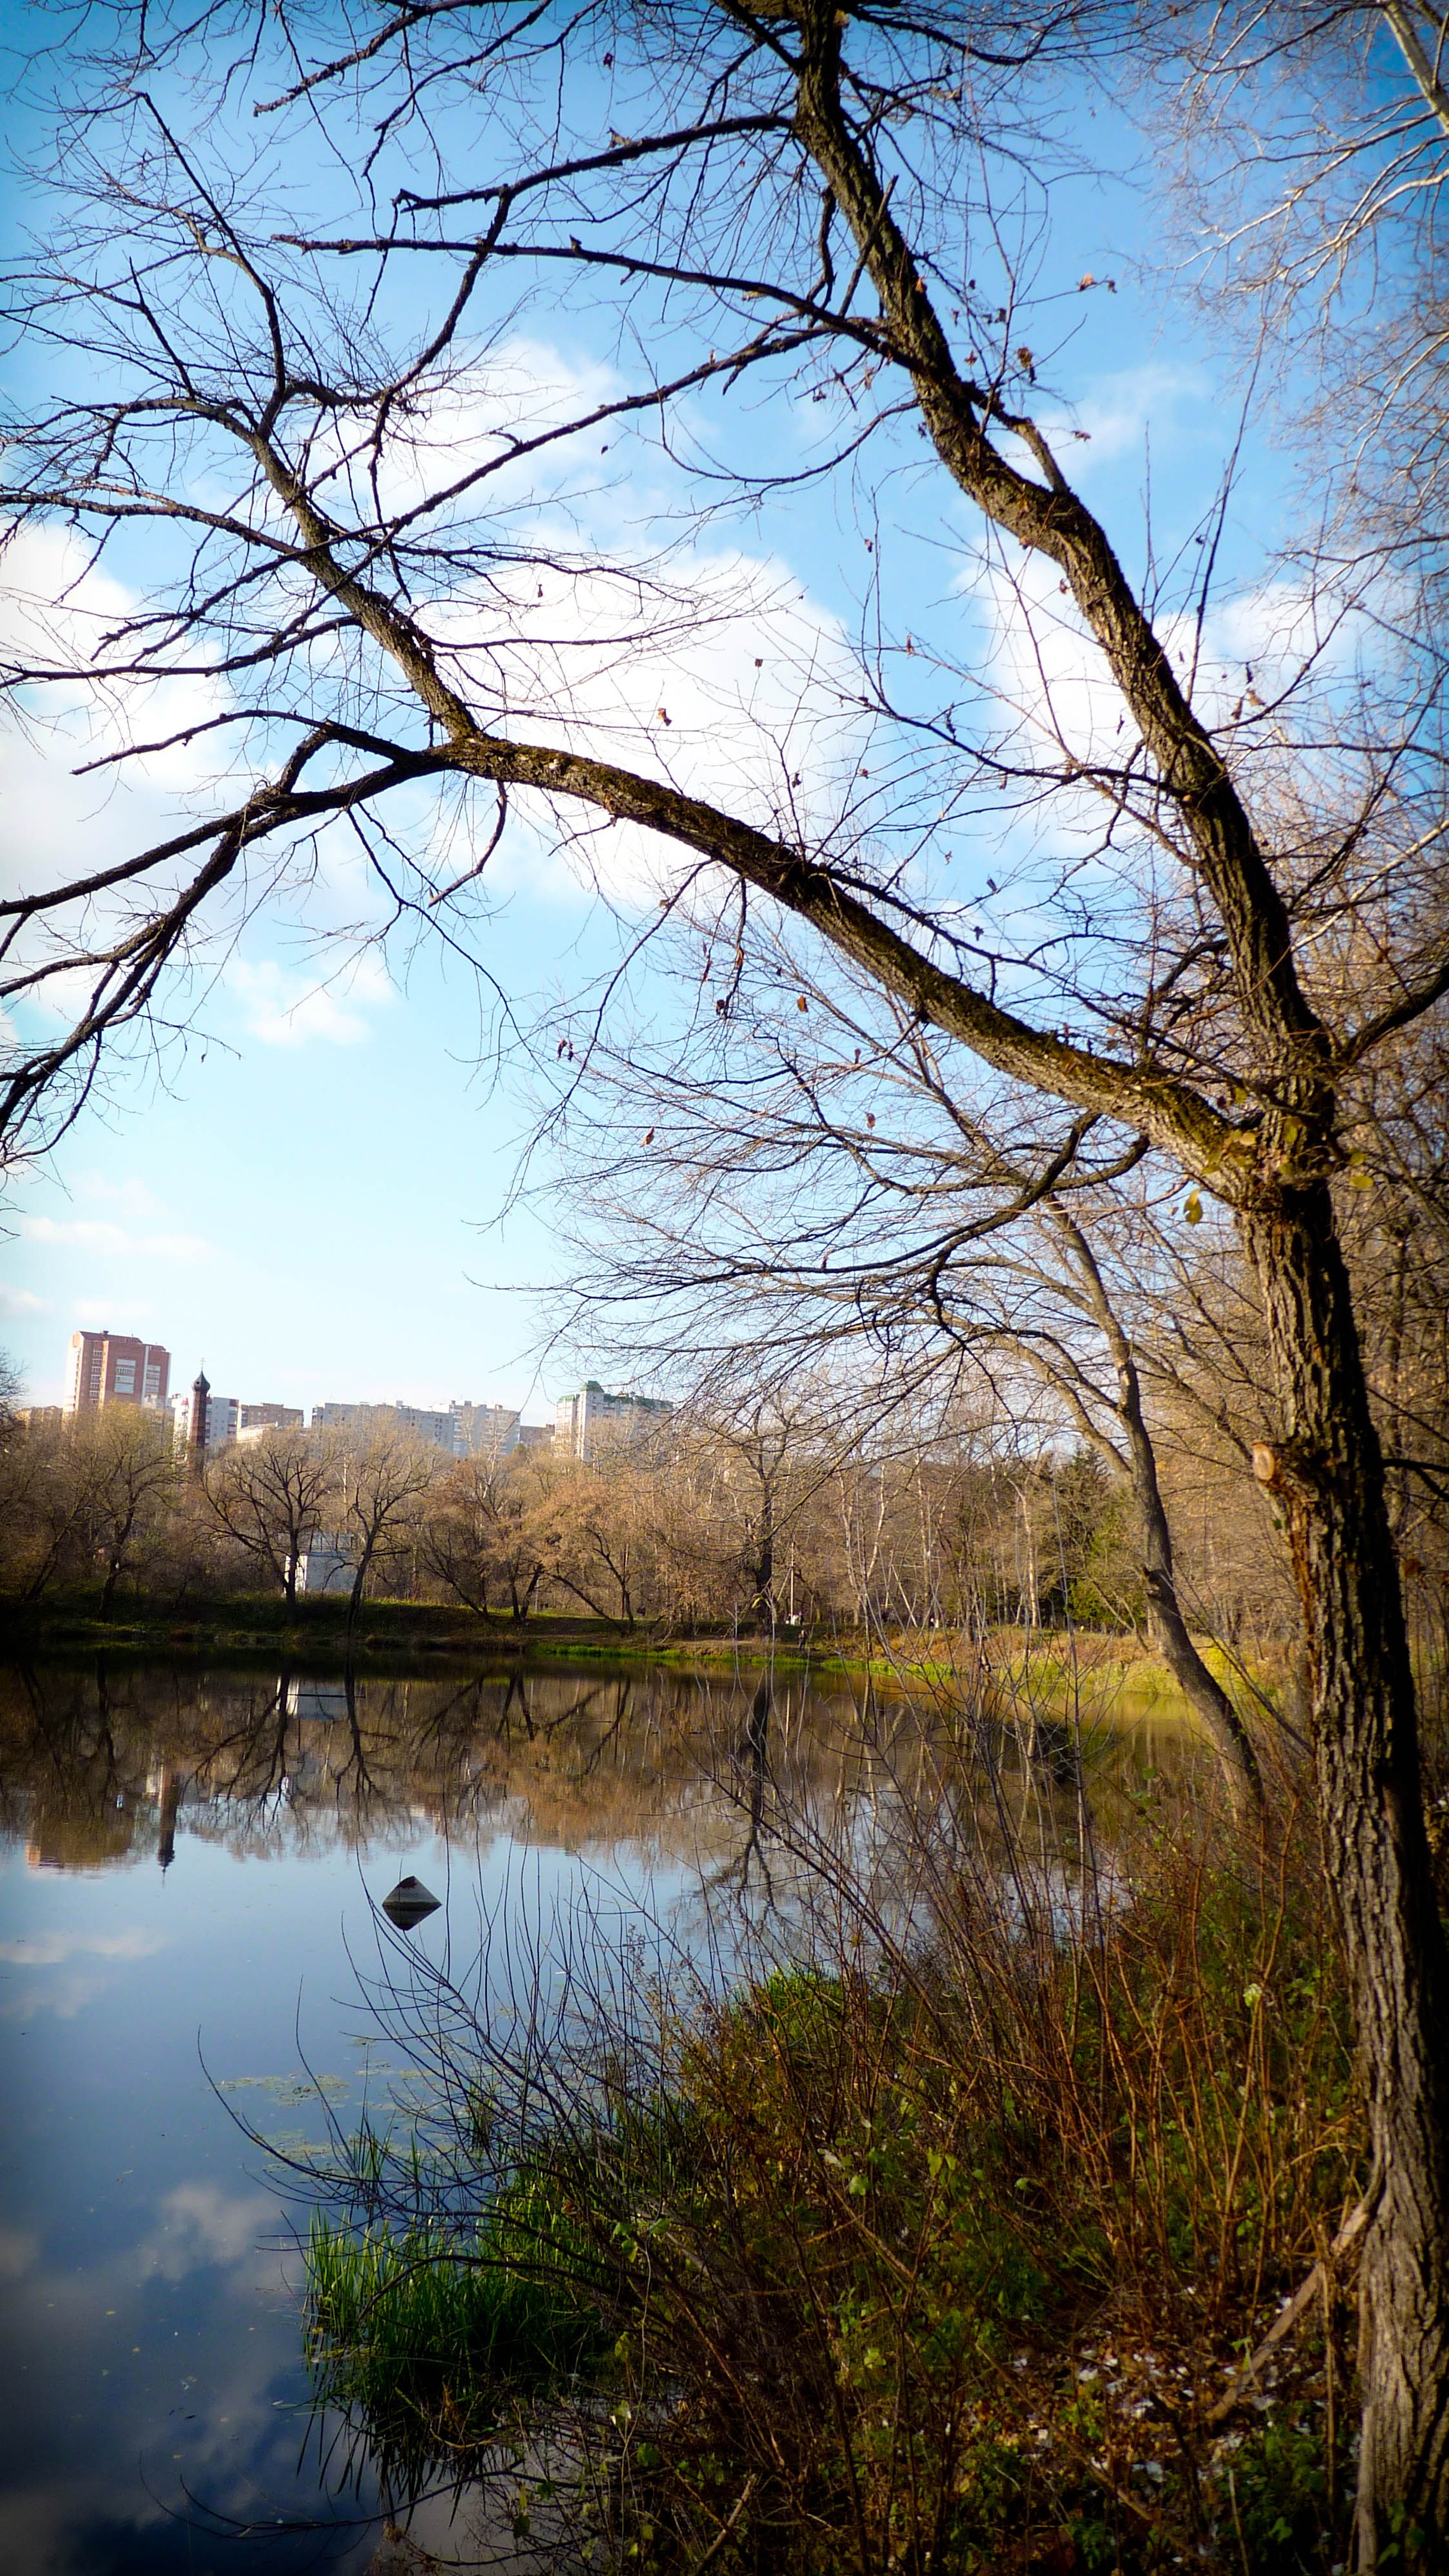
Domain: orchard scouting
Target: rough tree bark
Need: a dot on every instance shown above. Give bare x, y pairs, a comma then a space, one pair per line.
1327, 1474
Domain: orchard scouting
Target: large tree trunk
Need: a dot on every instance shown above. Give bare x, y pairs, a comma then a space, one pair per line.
1328, 1475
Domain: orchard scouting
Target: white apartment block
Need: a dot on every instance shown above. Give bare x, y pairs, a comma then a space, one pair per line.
373, 1421
465, 1430
484, 1430
223, 1416
592, 1422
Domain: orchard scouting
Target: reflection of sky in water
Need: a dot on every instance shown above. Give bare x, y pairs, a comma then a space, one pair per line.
153, 2338
147, 2290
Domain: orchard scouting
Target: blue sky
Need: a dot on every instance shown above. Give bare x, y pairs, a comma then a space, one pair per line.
309, 1195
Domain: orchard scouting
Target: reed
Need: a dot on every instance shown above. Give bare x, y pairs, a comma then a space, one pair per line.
432, 2336
935, 2246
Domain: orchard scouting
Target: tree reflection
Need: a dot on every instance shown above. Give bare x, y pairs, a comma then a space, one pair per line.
104, 1764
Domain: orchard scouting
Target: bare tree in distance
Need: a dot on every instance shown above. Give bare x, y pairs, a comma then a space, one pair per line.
381, 1484
910, 1240
807, 198
1308, 149
131, 1469
490, 1531
271, 1496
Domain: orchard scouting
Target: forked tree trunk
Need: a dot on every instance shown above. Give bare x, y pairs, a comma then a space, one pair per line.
1167, 1627
1328, 1475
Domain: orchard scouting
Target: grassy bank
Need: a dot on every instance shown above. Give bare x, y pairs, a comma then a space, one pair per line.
944, 2254
317, 1632
1092, 1676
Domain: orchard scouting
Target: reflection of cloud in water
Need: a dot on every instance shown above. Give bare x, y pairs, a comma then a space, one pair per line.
201, 2226
62, 2001
62, 1998
49, 1949
18, 2250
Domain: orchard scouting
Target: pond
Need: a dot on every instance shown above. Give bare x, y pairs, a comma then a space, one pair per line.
191, 1869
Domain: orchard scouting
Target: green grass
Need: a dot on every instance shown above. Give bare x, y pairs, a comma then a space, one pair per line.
433, 2341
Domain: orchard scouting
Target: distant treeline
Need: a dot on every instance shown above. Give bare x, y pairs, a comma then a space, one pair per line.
765, 1523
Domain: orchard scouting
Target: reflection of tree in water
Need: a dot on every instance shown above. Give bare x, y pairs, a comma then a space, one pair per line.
101, 1763
74, 1806
869, 1821
752, 1768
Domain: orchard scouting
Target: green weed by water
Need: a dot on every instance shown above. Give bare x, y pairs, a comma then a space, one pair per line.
432, 2339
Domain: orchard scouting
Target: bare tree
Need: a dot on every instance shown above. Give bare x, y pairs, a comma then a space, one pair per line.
129, 1474
907, 1238
271, 1496
458, 1533
804, 192
382, 1484
491, 1530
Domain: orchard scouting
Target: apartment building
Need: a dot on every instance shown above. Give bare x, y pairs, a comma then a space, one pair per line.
254, 1419
114, 1368
593, 1421
484, 1430
415, 1421
223, 1415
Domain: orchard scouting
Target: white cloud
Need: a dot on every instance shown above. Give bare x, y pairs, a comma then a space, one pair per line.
1049, 674
96, 1235
134, 1202
579, 652
1122, 411
19, 1301
524, 391
286, 1009
58, 611
721, 679
1045, 671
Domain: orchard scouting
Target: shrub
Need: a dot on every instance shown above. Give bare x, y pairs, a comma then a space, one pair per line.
933, 2253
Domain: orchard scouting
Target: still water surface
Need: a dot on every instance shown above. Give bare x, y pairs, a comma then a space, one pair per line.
189, 1869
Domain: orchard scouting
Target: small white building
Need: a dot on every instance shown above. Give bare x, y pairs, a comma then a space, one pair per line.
326, 1564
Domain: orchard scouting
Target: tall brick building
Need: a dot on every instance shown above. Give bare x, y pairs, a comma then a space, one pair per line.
114, 1368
